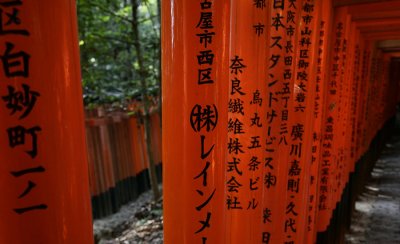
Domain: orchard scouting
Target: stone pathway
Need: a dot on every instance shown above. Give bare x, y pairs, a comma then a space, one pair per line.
377, 215
139, 222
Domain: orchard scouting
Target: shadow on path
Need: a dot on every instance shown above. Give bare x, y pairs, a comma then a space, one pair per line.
376, 218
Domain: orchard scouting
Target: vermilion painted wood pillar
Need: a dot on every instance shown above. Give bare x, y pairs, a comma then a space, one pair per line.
328, 170
284, 26
301, 125
262, 117
360, 98
196, 61
245, 186
43, 169
365, 76
319, 113
344, 92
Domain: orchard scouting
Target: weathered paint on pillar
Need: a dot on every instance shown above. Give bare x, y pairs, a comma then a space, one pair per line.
44, 169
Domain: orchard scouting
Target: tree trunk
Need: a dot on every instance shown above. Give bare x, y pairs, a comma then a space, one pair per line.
159, 63
145, 99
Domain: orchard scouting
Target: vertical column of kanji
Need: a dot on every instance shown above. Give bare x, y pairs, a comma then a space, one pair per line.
369, 78
364, 98
328, 156
245, 125
370, 116
327, 19
387, 93
369, 81
351, 112
344, 86
284, 17
337, 122
44, 176
340, 84
256, 121
385, 61
301, 124
377, 89
195, 93
383, 87
355, 94
319, 101
341, 116
375, 94
360, 95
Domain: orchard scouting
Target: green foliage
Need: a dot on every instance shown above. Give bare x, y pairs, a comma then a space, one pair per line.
108, 58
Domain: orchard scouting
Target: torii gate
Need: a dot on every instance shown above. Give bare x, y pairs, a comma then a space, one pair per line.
43, 171
277, 102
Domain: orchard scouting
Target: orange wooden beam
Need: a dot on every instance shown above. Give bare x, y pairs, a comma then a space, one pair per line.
393, 13
370, 6
378, 23
395, 54
382, 36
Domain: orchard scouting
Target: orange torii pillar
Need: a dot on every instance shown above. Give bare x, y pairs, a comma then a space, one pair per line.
195, 119
284, 25
215, 122
44, 170
234, 78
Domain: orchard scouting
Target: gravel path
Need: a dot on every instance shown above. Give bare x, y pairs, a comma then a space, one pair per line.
377, 215
138, 222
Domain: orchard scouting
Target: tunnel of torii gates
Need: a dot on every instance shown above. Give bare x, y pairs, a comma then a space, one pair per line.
271, 109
